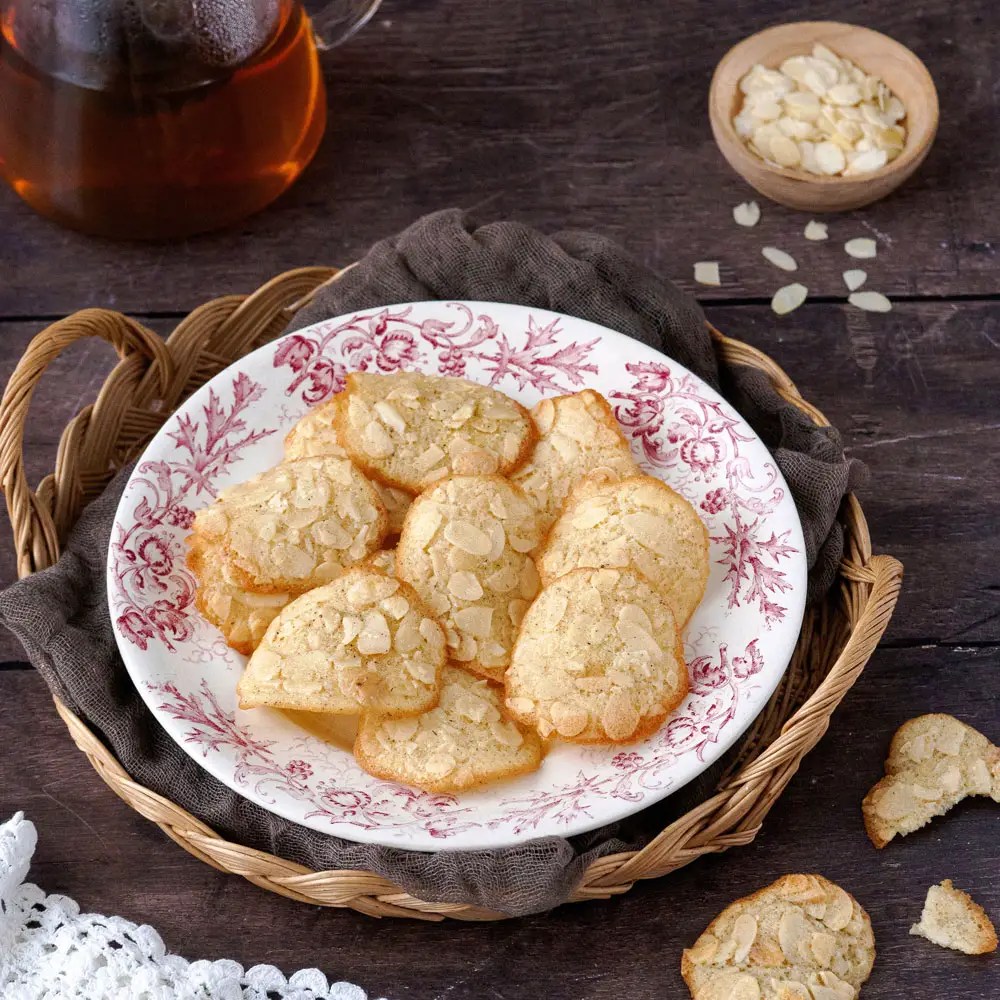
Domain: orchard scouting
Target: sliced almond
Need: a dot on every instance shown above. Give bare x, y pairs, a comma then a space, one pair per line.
855, 278
788, 298
589, 515
400, 729
555, 608
703, 950
744, 935
421, 670
823, 946
844, 93
794, 933
352, 628
870, 301
521, 543
569, 720
502, 580
267, 661
440, 765
506, 733
521, 706
815, 230
632, 614
895, 802
407, 637
830, 158
475, 621
839, 911
430, 630
465, 586
620, 718
390, 416
746, 213
784, 151
428, 458
706, 272
465, 650
470, 707
861, 248
376, 441
779, 258
468, 537
867, 161
395, 606
374, 637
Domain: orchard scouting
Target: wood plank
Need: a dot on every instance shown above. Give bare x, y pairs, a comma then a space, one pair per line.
92, 847
913, 393
562, 115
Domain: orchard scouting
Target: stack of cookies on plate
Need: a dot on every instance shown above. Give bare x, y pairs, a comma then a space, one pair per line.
536, 590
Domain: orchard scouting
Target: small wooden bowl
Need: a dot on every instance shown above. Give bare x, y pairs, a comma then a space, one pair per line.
904, 74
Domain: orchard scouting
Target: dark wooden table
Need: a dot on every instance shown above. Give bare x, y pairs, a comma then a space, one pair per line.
574, 114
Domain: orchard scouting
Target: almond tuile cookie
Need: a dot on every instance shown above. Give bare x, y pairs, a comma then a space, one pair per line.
953, 919
240, 615
598, 659
639, 523
801, 938
464, 548
466, 741
364, 641
295, 526
315, 435
410, 430
934, 762
578, 435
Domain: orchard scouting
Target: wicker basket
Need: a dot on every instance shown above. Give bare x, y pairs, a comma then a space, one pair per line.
154, 376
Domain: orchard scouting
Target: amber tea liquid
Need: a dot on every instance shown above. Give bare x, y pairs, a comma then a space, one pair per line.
161, 147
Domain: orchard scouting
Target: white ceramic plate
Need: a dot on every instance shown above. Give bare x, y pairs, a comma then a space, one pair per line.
738, 644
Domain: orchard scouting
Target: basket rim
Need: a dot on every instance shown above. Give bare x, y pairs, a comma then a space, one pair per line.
152, 371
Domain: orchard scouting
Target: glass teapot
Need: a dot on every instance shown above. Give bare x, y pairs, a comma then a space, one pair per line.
153, 119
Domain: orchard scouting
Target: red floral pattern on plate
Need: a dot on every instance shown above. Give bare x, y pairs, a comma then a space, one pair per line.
683, 432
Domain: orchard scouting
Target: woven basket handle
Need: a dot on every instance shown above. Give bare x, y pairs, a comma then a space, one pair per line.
149, 381
40, 520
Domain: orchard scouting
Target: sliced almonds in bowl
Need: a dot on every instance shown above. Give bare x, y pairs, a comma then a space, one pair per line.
813, 153
821, 113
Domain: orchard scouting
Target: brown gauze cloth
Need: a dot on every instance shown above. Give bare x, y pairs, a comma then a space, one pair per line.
61, 614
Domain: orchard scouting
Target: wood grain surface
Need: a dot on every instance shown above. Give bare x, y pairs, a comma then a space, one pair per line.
562, 114
574, 114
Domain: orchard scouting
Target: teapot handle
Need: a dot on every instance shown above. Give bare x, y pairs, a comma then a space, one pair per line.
335, 21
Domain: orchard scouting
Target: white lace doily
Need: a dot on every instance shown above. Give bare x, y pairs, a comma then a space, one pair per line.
49, 950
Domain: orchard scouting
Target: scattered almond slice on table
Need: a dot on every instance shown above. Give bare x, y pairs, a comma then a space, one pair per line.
862, 248
953, 919
934, 762
706, 272
788, 298
747, 213
815, 230
870, 301
854, 279
779, 258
